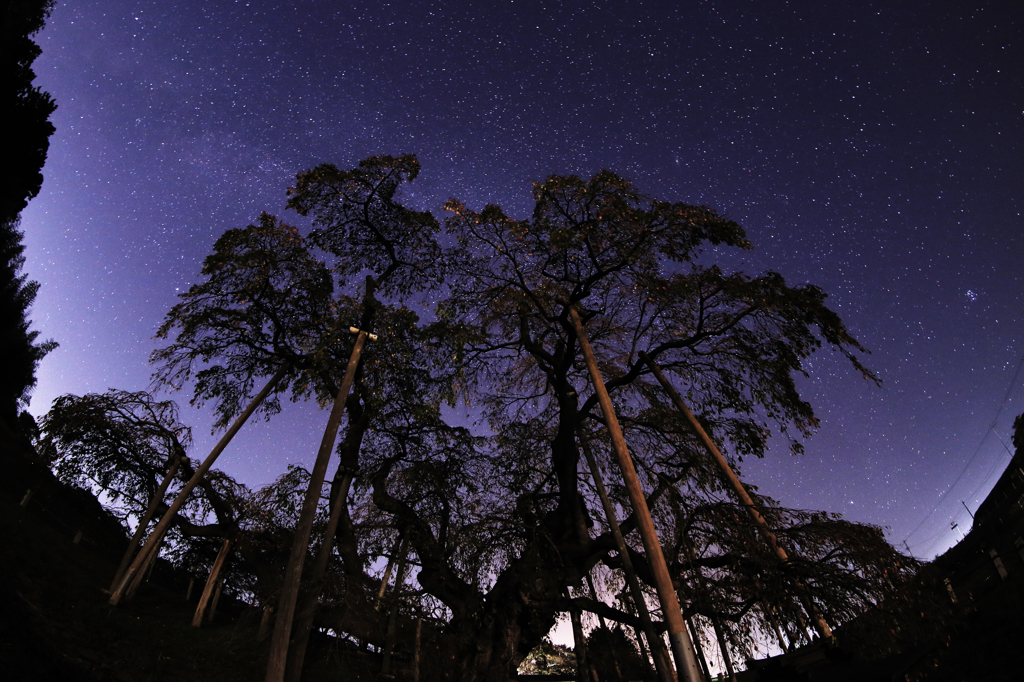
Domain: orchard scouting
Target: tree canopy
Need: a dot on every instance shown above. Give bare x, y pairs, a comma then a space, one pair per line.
494, 499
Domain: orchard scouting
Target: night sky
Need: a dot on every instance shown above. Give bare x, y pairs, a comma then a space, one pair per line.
877, 152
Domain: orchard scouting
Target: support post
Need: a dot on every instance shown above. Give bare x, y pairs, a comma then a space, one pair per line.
211, 583
579, 642
604, 626
416, 650
661, 663
306, 614
737, 486
293, 571
157, 498
391, 633
682, 647
397, 551
182, 497
723, 646
699, 648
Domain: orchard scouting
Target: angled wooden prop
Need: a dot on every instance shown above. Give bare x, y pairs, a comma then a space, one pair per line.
658, 653
157, 498
277, 664
211, 583
682, 647
736, 484
165, 522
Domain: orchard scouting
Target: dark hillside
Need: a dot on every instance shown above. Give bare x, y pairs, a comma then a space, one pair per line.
55, 623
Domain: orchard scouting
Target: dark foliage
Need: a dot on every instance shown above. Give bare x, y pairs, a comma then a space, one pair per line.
25, 112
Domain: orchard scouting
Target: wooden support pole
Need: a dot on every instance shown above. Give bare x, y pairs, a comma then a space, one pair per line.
157, 498
699, 648
264, 630
723, 646
148, 565
682, 647
191, 584
165, 522
639, 634
211, 583
215, 600
293, 571
737, 486
580, 643
306, 614
389, 636
770, 615
416, 650
604, 626
658, 654
397, 551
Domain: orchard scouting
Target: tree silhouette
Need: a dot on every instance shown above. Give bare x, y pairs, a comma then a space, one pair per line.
498, 511
26, 112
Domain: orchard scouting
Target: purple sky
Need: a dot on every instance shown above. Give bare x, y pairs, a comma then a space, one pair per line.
877, 152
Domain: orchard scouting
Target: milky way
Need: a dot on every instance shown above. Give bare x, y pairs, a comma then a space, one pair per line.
877, 152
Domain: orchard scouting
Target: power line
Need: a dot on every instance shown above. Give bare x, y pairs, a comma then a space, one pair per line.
990, 429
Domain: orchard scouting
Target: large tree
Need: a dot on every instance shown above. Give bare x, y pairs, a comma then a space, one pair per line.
499, 513
733, 342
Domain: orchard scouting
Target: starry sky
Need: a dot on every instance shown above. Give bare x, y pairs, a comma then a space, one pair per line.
873, 150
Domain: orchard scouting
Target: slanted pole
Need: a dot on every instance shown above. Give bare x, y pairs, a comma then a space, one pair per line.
264, 630
604, 626
737, 486
682, 647
216, 598
157, 498
397, 551
658, 653
699, 648
179, 501
416, 650
149, 563
723, 646
775, 625
293, 571
580, 643
309, 601
211, 583
391, 633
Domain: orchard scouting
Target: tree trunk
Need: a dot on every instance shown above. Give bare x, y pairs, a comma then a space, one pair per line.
279, 645
211, 583
157, 498
179, 501
682, 648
